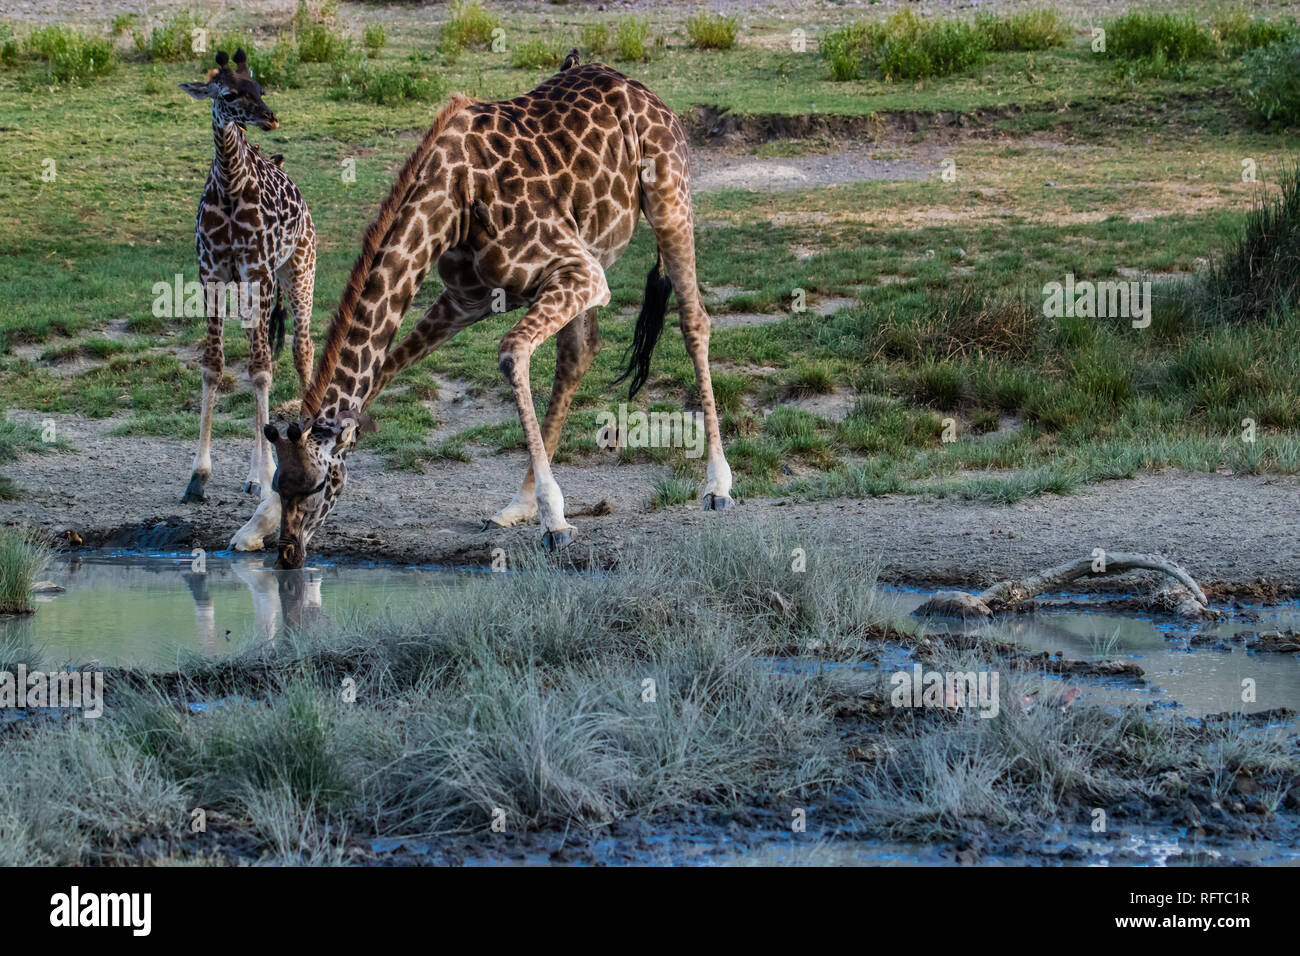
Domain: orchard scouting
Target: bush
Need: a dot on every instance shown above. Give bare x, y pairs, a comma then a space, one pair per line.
1029, 30
279, 68
904, 47
386, 87
468, 25
1260, 274
1238, 32
374, 38
595, 39
172, 41
708, 31
70, 56
630, 38
1273, 83
537, 53
1165, 37
318, 43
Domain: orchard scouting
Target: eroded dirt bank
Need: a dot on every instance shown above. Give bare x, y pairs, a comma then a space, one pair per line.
1231, 532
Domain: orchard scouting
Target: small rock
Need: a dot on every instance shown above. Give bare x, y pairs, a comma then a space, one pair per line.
953, 604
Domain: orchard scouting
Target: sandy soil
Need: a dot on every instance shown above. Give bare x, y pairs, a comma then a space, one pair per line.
1226, 530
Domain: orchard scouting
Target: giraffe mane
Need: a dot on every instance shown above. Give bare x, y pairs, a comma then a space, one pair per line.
376, 232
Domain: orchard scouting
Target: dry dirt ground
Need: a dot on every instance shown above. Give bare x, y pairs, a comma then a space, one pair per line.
1238, 534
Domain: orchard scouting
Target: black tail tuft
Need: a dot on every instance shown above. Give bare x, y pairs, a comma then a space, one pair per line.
275, 332
649, 325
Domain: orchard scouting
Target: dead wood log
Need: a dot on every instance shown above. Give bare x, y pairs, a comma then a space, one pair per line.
1184, 597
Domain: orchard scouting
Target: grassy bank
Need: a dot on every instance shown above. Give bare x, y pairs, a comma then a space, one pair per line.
924, 292
696, 680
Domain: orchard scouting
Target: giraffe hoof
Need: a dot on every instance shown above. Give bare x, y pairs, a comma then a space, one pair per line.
714, 502
252, 488
194, 490
555, 540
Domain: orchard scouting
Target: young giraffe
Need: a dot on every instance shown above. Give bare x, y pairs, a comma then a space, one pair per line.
518, 203
252, 227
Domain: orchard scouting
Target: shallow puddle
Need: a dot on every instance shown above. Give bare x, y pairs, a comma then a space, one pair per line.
143, 609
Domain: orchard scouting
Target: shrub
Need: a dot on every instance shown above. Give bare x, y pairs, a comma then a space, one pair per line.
536, 53
374, 38
1168, 37
386, 87
630, 38
1273, 83
708, 31
1028, 30
318, 43
171, 41
468, 25
1238, 32
904, 47
280, 67
70, 56
595, 39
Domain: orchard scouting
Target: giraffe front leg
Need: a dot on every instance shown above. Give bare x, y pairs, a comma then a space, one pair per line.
264, 524
571, 291
213, 363
261, 465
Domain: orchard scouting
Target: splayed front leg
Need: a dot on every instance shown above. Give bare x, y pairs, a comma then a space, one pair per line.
202, 468
261, 466
717, 490
522, 509
264, 523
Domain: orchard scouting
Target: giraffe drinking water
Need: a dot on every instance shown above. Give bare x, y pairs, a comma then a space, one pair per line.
526, 201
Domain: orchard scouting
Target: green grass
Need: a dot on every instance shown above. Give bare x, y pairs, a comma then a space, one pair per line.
692, 680
711, 31
24, 554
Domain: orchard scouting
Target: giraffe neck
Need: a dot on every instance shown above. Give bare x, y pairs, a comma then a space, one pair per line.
232, 166
431, 219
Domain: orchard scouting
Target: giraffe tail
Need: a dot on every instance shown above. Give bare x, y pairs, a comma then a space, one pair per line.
275, 329
649, 325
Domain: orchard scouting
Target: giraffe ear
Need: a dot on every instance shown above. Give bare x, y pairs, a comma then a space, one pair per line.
363, 422
200, 91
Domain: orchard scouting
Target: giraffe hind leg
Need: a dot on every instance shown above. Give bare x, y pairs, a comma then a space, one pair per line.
576, 347
576, 286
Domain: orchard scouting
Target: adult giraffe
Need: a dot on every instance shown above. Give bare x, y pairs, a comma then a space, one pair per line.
526, 200
253, 233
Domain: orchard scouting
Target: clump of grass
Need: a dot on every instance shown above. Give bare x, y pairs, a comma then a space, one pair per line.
123, 23
631, 38
537, 53
172, 40
469, 26
374, 38
1259, 274
1028, 30
903, 47
1273, 82
670, 490
710, 31
810, 378
595, 39
24, 554
356, 81
1153, 44
1238, 32
69, 55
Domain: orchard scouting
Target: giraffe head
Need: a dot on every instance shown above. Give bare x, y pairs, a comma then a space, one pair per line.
311, 471
236, 96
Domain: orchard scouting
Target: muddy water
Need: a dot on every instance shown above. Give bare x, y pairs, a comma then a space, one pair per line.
144, 609
1186, 678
